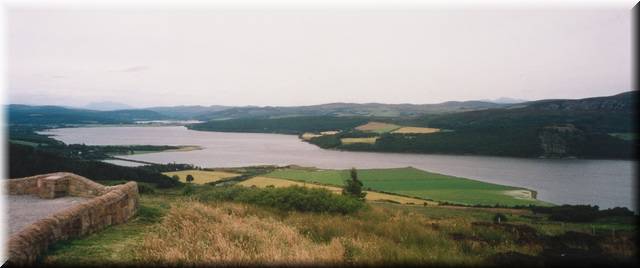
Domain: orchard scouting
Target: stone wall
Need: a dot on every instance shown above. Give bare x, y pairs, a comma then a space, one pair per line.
54, 185
110, 205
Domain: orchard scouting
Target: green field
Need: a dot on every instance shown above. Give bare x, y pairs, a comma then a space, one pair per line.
416, 183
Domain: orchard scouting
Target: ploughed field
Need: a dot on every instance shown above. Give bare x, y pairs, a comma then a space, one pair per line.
418, 183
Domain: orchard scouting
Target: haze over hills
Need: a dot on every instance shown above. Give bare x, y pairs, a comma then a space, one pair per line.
348, 109
505, 100
591, 128
219, 112
108, 106
27, 113
187, 111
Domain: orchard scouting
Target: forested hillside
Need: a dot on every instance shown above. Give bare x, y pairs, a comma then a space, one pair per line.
600, 127
348, 110
287, 125
556, 128
38, 115
28, 160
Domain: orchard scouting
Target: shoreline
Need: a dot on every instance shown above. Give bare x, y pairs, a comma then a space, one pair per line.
541, 192
300, 139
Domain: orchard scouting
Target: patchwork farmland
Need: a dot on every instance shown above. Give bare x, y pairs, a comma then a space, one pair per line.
263, 182
366, 134
418, 183
377, 127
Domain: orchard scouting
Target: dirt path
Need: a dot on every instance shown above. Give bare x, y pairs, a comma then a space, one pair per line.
27, 209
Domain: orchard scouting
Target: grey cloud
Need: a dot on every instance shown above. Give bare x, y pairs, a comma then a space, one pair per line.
281, 57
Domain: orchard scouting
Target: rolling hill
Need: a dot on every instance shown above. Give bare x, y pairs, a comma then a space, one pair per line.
187, 112
26, 114
585, 128
348, 109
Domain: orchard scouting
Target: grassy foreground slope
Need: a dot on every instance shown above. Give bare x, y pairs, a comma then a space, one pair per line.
417, 183
172, 229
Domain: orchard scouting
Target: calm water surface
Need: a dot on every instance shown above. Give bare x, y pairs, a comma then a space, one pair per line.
606, 183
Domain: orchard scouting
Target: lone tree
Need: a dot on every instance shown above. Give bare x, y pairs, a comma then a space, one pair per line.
354, 186
189, 178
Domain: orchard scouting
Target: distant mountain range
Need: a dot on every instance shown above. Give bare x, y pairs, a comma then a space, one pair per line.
599, 127
57, 115
347, 109
188, 112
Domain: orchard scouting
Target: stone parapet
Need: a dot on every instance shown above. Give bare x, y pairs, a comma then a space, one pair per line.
109, 205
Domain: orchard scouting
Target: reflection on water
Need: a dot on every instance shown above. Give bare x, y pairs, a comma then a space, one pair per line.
606, 183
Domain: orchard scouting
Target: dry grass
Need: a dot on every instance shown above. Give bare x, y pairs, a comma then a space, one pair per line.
377, 127
382, 235
416, 130
308, 135
371, 196
201, 176
520, 194
266, 181
375, 196
194, 233
370, 140
187, 232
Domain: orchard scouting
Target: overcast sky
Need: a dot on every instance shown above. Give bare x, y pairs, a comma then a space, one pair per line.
266, 57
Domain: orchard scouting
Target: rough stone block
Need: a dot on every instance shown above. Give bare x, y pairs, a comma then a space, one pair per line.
109, 205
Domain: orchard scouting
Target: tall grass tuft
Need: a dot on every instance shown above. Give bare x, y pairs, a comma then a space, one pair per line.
194, 233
